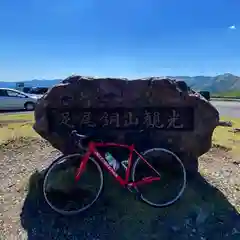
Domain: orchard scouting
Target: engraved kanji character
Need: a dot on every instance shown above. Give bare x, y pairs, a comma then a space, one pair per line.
130, 120
66, 100
172, 121
87, 120
153, 120
66, 119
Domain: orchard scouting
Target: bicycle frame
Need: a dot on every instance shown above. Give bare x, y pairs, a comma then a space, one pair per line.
124, 182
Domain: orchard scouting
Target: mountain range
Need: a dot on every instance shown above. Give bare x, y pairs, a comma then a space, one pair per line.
221, 83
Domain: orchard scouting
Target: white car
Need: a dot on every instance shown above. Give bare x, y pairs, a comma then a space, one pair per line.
11, 99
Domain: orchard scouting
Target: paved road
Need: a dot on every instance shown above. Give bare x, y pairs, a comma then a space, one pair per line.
231, 109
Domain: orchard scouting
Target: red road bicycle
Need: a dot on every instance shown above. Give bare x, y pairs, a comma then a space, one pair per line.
69, 193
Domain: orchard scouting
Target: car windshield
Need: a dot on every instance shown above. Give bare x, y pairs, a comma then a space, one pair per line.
13, 93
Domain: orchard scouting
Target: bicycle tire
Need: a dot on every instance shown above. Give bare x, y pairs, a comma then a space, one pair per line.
47, 174
180, 193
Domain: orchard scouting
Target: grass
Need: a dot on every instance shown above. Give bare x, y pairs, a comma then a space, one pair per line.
14, 126
233, 94
223, 137
17, 117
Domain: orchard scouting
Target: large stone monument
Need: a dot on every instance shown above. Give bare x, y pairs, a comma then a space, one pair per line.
150, 112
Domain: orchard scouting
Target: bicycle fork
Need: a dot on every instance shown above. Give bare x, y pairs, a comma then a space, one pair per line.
81, 168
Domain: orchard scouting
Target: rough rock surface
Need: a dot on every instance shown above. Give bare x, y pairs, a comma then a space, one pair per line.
85, 92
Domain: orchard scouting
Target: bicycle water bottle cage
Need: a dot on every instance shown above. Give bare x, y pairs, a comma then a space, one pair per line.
124, 164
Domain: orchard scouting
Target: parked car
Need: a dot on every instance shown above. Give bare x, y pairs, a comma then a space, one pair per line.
206, 95
11, 99
34, 90
38, 90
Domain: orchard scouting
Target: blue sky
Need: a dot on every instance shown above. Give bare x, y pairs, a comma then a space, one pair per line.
130, 38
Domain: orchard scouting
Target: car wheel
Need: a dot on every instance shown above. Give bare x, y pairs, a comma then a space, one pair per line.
29, 106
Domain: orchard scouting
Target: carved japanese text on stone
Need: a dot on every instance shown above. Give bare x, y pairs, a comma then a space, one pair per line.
157, 118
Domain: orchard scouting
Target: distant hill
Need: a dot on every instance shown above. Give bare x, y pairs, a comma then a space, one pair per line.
219, 84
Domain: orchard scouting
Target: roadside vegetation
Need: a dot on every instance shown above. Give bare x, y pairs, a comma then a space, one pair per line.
226, 138
229, 94
13, 127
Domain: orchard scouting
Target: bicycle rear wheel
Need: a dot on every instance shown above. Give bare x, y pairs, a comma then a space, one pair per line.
172, 183
63, 193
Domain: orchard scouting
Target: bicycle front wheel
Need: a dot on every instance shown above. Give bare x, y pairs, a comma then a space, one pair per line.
63, 193
170, 187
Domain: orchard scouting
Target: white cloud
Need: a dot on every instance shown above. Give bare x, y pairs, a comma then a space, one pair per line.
233, 27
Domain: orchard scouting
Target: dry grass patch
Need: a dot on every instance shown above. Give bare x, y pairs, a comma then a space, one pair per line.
17, 117
224, 138
15, 126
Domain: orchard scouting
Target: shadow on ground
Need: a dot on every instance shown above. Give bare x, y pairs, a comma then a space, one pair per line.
202, 213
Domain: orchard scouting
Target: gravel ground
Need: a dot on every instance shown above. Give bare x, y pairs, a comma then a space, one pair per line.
209, 208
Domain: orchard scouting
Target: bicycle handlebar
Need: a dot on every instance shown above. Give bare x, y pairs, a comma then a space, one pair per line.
78, 138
